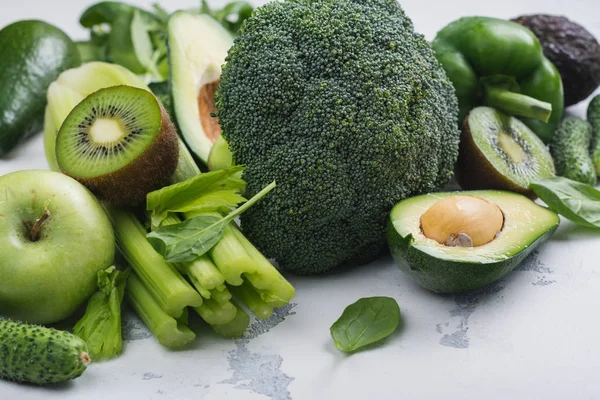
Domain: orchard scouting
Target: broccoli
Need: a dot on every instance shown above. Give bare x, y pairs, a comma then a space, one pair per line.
347, 109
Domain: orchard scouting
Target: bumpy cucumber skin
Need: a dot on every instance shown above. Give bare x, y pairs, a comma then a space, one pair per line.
570, 149
34, 53
593, 117
39, 355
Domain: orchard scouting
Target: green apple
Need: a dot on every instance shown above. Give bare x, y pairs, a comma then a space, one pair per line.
54, 238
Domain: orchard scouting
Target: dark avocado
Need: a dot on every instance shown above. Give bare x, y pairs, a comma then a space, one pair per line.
34, 53
572, 49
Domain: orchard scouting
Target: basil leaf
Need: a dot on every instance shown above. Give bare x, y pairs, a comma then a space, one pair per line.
208, 192
573, 200
365, 322
188, 240
192, 238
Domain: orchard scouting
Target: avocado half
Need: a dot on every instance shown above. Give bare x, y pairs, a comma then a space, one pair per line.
445, 269
198, 45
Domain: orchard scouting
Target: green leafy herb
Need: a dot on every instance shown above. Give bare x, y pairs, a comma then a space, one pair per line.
142, 44
192, 238
209, 192
100, 327
364, 322
233, 15
573, 200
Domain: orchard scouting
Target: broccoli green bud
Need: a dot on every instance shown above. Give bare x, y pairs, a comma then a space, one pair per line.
347, 109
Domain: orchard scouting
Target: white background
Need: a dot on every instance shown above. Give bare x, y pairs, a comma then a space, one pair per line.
534, 335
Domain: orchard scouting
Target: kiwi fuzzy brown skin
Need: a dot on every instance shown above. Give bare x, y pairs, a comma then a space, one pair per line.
474, 171
150, 171
572, 49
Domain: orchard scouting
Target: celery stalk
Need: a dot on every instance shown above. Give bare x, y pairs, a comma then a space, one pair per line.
165, 328
203, 273
216, 313
246, 294
220, 294
235, 257
163, 281
236, 327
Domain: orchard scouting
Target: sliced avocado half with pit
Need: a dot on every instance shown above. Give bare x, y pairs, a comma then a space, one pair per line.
458, 241
198, 46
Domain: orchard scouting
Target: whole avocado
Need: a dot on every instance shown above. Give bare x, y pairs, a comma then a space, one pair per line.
572, 49
348, 110
34, 53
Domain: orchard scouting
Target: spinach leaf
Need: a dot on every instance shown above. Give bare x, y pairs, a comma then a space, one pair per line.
189, 239
192, 238
208, 192
573, 200
364, 322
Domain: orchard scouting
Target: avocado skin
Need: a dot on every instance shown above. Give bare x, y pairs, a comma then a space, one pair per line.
573, 50
444, 276
34, 53
39, 355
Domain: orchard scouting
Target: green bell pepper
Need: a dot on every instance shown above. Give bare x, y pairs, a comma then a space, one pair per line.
500, 64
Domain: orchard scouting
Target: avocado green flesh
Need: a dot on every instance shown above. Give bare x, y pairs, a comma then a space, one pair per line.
443, 268
198, 46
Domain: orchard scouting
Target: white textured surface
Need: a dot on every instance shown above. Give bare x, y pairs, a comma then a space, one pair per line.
533, 335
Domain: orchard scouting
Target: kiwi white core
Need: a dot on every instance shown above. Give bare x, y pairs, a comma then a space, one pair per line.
511, 148
106, 130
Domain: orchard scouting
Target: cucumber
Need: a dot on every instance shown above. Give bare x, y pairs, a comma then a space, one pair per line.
34, 53
570, 149
593, 117
39, 355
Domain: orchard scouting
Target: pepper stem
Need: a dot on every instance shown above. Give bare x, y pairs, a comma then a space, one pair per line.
517, 104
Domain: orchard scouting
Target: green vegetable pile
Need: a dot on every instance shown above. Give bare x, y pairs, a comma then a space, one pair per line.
328, 127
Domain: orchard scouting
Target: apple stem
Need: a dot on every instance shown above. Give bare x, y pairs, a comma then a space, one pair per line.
35, 231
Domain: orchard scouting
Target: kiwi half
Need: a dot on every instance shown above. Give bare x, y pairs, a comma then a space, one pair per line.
498, 151
120, 143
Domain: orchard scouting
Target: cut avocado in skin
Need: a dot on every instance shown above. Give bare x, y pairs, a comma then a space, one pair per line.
500, 152
458, 241
198, 46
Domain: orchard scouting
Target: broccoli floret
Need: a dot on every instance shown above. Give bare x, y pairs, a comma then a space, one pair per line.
347, 109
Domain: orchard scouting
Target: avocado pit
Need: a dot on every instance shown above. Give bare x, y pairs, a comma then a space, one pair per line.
206, 108
465, 221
